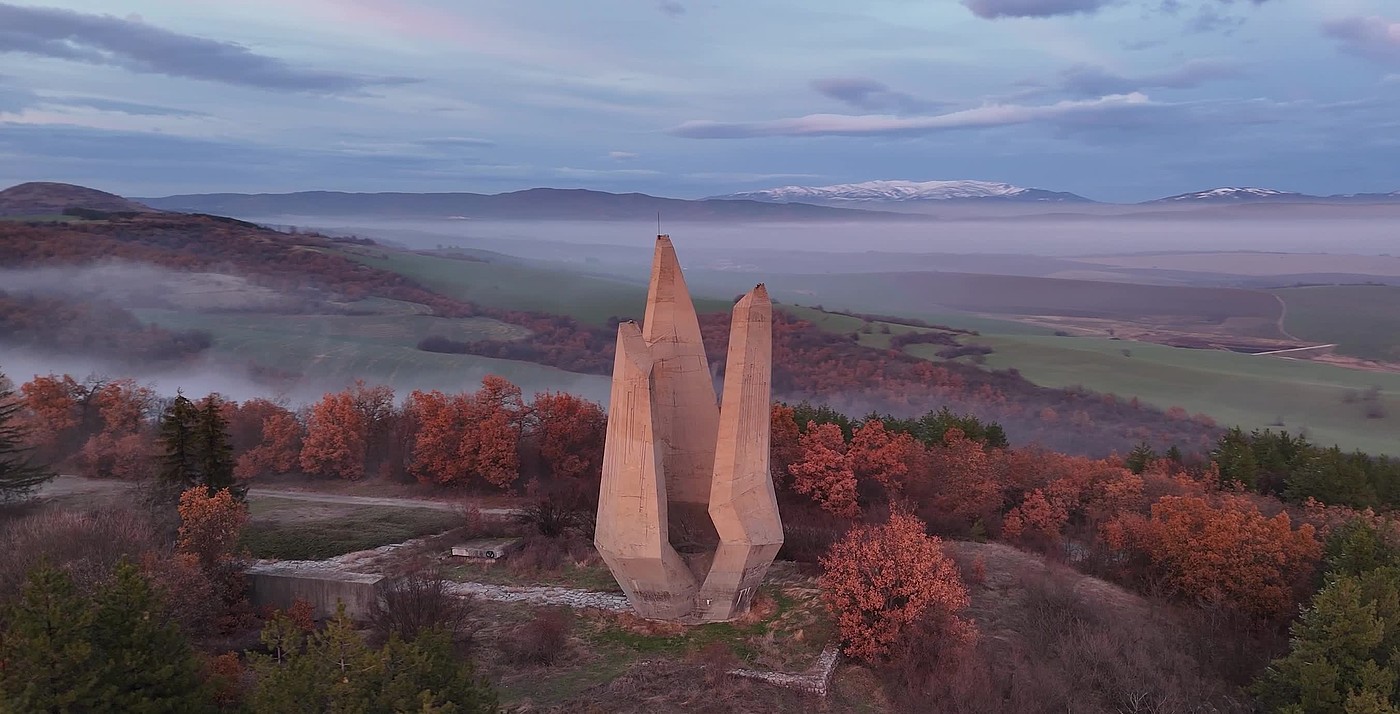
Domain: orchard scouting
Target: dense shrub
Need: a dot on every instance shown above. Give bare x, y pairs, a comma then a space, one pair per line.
542, 640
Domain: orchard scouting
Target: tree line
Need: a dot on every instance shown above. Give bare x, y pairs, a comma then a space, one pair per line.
1242, 531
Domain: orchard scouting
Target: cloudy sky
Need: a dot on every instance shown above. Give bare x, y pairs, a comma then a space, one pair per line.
1115, 99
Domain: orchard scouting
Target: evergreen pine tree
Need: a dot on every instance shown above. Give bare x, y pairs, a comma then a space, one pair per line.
143, 661
1235, 457
213, 454
1174, 455
334, 670
18, 475
425, 675
1344, 651
1140, 457
179, 468
46, 655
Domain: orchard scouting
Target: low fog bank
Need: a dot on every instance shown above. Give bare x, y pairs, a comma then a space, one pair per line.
212, 374
1033, 236
138, 285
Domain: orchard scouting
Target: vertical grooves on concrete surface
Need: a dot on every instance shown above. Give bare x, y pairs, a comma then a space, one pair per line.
743, 506
686, 493
631, 532
687, 414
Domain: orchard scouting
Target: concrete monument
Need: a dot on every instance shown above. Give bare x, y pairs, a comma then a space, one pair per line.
687, 519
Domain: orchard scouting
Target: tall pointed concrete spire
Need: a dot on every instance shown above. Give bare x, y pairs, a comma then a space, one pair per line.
743, 506
683, 399
631, 531
686, 494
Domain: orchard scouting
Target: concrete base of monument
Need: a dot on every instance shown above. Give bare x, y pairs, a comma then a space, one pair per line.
487, 548
276, 585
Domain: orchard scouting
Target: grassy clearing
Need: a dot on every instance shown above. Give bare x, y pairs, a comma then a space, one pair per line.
1362, 320
294, 530
785, 631
586, 298
376, 347
878, 336
919, 293
582, 576
1250, 391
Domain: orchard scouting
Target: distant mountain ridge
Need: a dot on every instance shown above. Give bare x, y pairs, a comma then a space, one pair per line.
530, 204
898, 191
1243, 194
42, 198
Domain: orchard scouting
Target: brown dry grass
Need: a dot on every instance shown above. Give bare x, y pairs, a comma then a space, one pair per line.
1053, 640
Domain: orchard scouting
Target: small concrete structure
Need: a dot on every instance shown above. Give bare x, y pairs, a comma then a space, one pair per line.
687, 518
277, 585
486, 549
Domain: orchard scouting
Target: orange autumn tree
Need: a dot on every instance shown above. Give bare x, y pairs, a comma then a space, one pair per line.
570, 433
963, 485
122, 448
442, 424
880, 455
462, 436
52, 409
785, 442
1223, 554
278, 450
493, 444
1037, 521
881, 579
824, 473
376, 406
1070, 498
335, 438
210, 525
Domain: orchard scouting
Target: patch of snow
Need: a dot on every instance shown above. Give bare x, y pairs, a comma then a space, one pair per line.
892, 190
1231, 193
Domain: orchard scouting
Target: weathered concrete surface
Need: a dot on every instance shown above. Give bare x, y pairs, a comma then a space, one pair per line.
817, 678
743, 506
543, 595
487, 548
631, 533
686, 496
277, 585
684, 407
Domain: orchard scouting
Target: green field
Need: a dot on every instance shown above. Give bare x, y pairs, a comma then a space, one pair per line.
918, 293
380, 348
1362, 320
586, 298
44, 218
1235, 389
295, 530
833, 322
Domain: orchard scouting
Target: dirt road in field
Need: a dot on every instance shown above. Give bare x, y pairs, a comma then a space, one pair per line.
68, 486
392, 501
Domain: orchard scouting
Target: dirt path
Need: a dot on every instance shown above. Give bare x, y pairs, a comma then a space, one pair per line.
69, 486
391, 501
543, 595
1283, 316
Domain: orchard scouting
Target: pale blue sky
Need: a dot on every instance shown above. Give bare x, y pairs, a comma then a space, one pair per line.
1114, 99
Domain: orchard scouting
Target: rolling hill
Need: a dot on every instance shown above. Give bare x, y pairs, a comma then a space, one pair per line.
40, 198
531, 204
878, 192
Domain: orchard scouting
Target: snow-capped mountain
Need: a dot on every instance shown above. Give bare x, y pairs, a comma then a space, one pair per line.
1230, 194
904, 191
1236, 194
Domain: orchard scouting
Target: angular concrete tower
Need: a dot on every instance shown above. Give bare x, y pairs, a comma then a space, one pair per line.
687, 519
